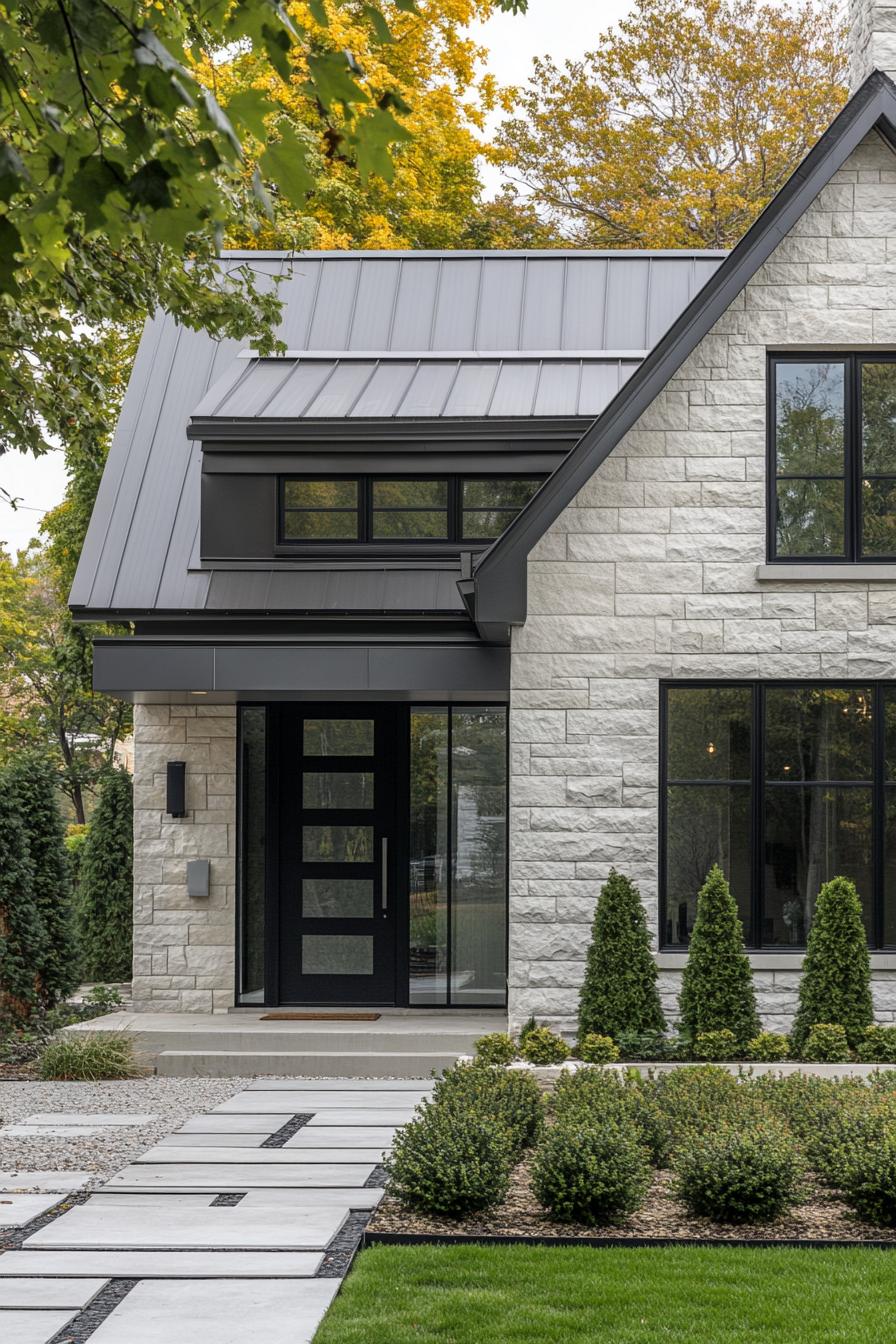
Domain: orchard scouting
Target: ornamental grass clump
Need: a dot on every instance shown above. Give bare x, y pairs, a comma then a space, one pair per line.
543, 1046
450, 1160
739, 1175
619, 991
595, 1049
91, 1058
836, 982
717, 982
495, 1048
590, 1171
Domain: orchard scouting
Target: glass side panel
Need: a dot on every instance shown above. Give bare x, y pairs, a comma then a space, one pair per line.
337, 844
337, 954
705, 824
818, 733
338, 737
478, 855
811, 835
337, 898
321, 494
253, 801
335, 788
708, 732
809, 418
428, 857
879, 516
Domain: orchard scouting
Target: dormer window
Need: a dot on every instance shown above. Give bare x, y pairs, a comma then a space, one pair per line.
386, 510
832, 461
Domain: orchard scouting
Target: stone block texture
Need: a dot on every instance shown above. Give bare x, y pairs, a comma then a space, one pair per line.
872, 39
184, 946
652, 573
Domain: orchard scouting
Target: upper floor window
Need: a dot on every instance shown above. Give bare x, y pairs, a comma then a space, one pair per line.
385, 510
832, 468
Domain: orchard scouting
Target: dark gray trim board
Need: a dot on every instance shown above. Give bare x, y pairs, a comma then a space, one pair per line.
501, 572
142, 669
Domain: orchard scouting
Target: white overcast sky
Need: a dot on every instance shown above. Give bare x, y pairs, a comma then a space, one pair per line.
559, 28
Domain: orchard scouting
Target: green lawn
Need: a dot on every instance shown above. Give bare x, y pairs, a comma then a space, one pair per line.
544, 1295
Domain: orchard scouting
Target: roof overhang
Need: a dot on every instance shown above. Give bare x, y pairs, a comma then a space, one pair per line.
500, 575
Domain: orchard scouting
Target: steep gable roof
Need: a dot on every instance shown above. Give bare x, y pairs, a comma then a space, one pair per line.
497, 592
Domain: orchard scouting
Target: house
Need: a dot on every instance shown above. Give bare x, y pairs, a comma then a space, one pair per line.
602, 545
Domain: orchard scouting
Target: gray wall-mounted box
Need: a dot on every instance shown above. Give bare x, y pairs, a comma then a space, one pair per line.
198, 876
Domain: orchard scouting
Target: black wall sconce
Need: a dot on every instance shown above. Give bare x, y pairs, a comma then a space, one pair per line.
176, 793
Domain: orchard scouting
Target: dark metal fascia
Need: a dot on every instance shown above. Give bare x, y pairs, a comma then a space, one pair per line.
225, 435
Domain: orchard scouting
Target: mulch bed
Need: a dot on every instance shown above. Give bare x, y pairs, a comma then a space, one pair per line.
821, 1217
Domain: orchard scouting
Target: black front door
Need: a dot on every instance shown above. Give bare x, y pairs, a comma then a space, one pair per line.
337, 832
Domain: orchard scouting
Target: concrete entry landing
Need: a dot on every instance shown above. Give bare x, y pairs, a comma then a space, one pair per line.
402, 1043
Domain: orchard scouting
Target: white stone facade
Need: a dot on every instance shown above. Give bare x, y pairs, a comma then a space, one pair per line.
652, 573
872, 39
184, 946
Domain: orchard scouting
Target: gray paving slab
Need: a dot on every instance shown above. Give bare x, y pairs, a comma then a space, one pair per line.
333, 1136
360, 1117
32, 1327
65, 1118
39, 1181
236, 1124
50, 1131
235, 1176
216, 1141
329, 1101
170, 1200
49, 1293
189, 1311
340, 1085
162, 1155
254, 1103
17, 1210
364, 1199
102, 1226
162, 1264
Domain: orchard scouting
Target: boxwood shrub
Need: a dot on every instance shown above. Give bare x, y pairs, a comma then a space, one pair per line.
768, 1048
450, 1160
826, 1044
495, 1048
510, 1096
719, 1045
629, 1100
868, 1178
597, 1049
878, 1046
590, 1171
735, 1175
543, 1046
699, 1097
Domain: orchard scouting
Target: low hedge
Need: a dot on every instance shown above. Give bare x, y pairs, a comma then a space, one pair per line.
450, 1160
734, 1175
590, 1171
510, 1096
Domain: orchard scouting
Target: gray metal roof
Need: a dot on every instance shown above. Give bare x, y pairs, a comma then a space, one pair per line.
480, 311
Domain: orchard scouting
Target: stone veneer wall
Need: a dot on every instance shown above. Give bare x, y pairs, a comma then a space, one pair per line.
872, 39
652, 573
184, 947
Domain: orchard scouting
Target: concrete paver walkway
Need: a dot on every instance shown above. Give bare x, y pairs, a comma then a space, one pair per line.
265, 1252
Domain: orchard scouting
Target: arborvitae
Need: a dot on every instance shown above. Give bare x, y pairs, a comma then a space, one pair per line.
619, 991
836, 982
105, 906
32, 781
717, 983
22, 935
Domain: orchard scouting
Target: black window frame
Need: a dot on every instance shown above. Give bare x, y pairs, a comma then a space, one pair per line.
365, 510
853, 475
879, 785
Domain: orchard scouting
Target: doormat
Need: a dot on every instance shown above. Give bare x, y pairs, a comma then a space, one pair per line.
320, 1017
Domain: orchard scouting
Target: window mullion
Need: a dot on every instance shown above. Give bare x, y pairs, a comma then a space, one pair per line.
757, 814
853, 460
878, 815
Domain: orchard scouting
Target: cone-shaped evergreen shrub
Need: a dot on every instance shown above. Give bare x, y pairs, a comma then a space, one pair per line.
32, 782
22, 936
619, 991
106, 883
836, 980
717, 983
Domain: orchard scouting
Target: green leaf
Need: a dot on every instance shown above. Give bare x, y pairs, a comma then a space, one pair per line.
13, 173
373, 136
377, 21
89, 188
278, 47
149, 186
10, 242
261, 194
220, 121
248, 110
333, 81
285, 164
407, 6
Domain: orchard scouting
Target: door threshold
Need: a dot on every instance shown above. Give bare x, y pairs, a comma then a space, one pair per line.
319, 1017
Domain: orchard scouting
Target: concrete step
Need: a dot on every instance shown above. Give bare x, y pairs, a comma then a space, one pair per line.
298, 1041
303, 1064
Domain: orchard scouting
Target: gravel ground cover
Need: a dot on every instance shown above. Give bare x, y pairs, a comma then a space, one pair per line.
821, 1217
170, 1100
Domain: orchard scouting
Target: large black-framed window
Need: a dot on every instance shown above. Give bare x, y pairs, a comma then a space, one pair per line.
785, 785
832, 458
388, 510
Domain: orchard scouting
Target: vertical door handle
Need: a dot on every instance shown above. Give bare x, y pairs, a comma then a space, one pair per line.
384, 876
